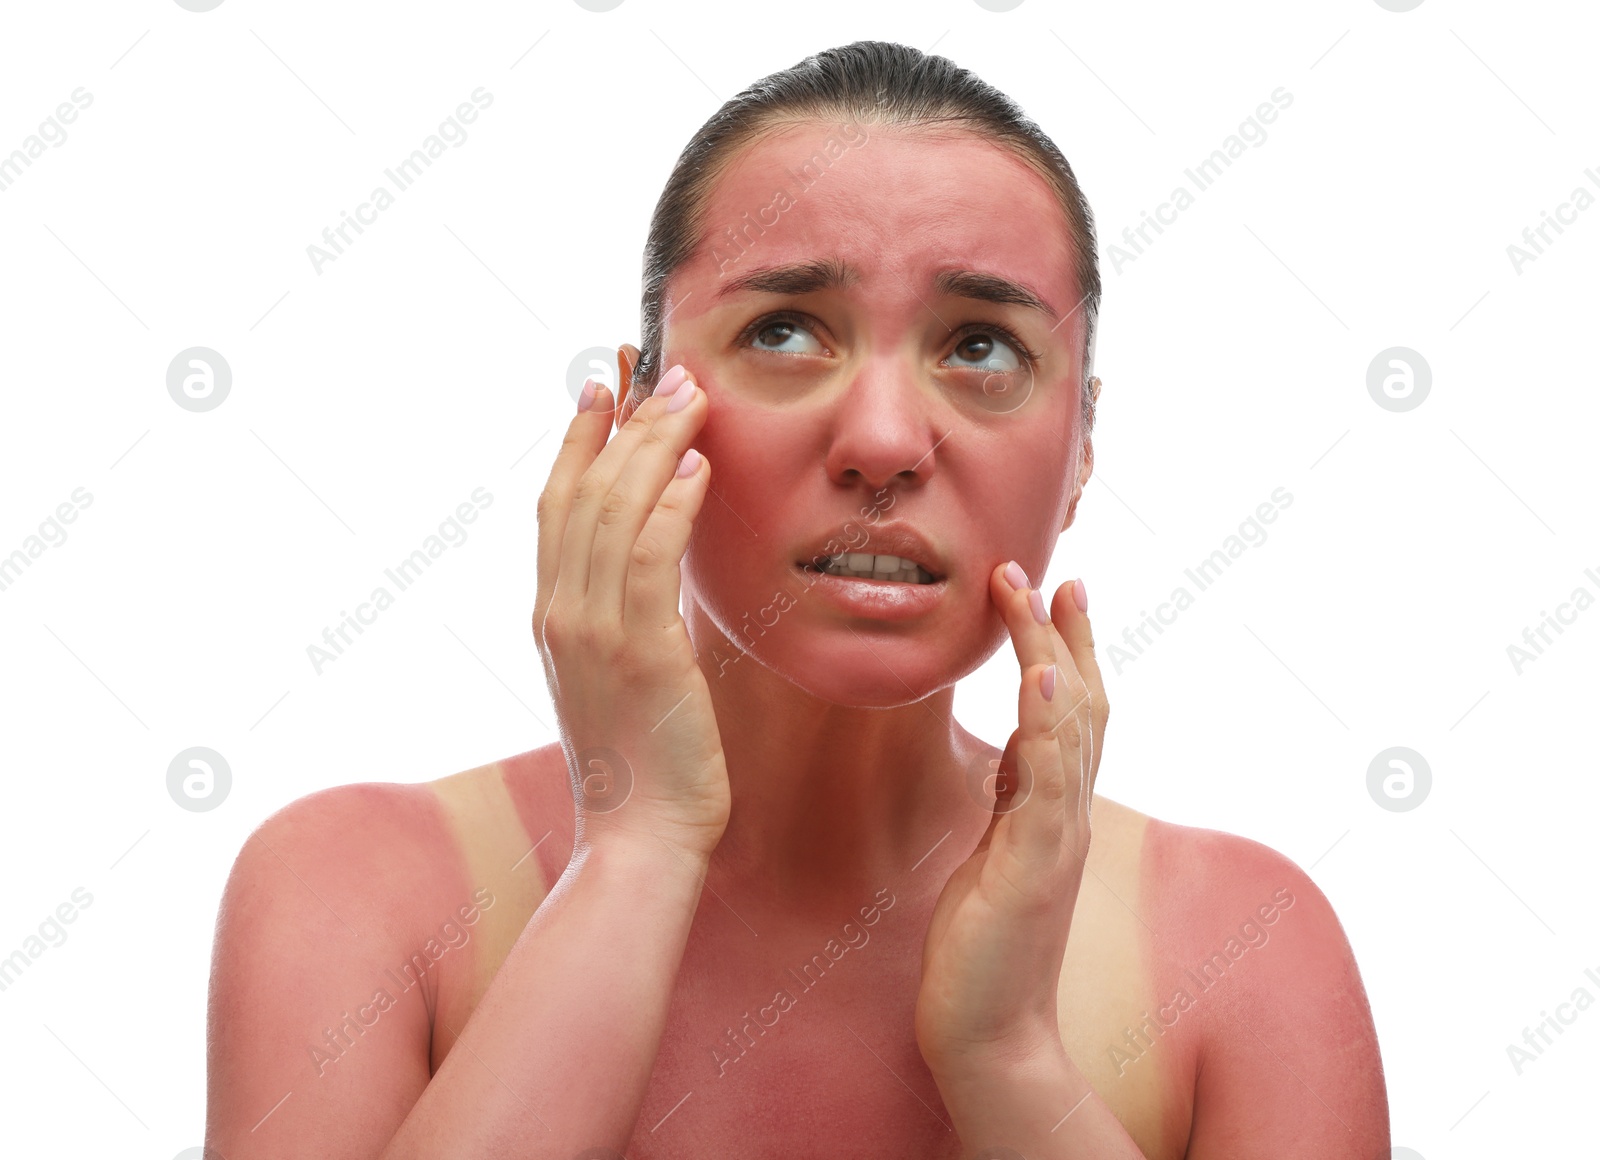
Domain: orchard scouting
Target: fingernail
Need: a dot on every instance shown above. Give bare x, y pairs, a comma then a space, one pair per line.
669, 382
1047, 683
683, 396
690, 463
1080, 595
586, 396
1036, 602
1017, 577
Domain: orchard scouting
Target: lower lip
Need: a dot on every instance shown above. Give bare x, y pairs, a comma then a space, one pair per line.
877, 599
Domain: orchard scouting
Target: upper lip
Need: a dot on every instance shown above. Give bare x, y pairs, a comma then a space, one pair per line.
882, 540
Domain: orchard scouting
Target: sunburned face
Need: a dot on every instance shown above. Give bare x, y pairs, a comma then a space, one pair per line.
902, 398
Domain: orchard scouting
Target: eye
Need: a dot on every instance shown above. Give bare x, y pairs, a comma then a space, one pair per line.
782, 334
993, 349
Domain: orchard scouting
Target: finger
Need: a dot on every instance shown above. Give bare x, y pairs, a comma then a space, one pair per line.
654, 581
586, 435
1048, 766
593, 492
1005, 791
1020, 608
637, 492
1078, 635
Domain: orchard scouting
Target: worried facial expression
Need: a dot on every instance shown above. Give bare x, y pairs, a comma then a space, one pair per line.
887, 327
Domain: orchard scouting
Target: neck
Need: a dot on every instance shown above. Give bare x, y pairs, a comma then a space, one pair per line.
831, 802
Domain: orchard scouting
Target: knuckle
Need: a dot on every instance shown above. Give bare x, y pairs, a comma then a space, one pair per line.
1078, 692
614, 508
567, 635
646, 555
548, 506
552, 631
643, 417
1050, 789
651, 435
590, 485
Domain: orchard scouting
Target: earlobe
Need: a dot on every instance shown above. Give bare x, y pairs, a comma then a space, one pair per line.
1084, 472
1086, 469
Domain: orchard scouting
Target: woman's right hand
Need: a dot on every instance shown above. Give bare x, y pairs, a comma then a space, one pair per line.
634, 709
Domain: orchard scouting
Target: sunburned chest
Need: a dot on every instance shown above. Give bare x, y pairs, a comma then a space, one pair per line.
783, 1058
803, 1052
786, 1038
806, 1046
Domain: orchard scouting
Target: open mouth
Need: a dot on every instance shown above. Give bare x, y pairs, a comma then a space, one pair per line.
871, 566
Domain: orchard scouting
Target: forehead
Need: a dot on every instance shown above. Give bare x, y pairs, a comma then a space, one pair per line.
896, 204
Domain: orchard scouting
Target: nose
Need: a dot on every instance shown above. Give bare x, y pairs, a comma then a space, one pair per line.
883, 428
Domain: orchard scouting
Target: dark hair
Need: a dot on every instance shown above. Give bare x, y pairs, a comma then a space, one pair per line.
876, 82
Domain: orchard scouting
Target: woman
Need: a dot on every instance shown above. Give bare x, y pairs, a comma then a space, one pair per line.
767, 898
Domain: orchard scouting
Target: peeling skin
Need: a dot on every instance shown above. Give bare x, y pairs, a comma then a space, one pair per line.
842, 750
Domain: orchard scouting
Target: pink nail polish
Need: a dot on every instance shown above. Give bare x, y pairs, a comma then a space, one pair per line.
683, 396
690, 463
1080, 595
1016, 576
670, 381
1036, 602
586, 396
1047, 683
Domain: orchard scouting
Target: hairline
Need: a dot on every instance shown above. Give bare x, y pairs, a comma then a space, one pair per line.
776, 123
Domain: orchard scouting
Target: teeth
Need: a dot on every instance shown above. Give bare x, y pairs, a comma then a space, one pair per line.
869, 566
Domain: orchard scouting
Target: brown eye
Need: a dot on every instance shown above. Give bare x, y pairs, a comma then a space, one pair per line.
988, 352
784, 336
976, 347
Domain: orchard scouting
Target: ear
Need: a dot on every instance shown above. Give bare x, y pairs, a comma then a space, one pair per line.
1086, 468
627, 359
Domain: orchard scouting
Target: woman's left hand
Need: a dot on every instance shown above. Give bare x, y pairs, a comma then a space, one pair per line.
991, 963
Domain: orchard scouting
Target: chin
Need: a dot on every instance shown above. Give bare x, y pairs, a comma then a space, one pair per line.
862, 664
889, 680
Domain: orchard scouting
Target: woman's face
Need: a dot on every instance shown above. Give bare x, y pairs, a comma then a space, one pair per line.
902, 397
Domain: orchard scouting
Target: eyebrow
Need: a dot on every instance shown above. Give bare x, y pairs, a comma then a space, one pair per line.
799, 278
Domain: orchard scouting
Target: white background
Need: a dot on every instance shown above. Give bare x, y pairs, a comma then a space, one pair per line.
372, 398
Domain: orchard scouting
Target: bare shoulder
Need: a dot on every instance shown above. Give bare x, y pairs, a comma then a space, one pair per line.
360, 843
358, 927
515, 811
1259, 966
1212, 885
324, 897
1206, 890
